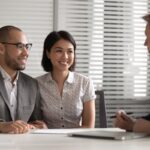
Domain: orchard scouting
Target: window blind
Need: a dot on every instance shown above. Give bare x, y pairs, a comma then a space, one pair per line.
110, 50
109, 36
75, 16
35, 18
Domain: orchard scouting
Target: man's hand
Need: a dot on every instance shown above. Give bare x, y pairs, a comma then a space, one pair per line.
16, 127
142, 125
123, 121
37, 124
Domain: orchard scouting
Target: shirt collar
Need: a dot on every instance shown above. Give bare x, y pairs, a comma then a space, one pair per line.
70, 78
7, 77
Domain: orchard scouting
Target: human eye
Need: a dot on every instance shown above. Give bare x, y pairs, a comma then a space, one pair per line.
28, 46
58, 50
20, 45
70, 51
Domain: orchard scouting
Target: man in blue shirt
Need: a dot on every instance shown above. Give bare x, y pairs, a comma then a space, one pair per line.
122, 119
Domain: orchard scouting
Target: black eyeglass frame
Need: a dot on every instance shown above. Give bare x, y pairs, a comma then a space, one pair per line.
20, 46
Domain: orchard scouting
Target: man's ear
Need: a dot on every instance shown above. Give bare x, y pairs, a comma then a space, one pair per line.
2, 48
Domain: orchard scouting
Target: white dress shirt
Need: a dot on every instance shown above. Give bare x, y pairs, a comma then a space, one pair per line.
11, 88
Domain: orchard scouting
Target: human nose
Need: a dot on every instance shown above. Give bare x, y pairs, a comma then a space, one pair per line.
65, 55
145, 43
25, 51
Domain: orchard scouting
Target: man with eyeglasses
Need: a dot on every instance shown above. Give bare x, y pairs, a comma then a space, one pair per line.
19, 93
122, 119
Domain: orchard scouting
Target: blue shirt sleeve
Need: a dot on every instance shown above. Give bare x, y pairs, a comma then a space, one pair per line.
147, 117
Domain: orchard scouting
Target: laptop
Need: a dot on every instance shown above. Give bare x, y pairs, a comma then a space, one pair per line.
114, 135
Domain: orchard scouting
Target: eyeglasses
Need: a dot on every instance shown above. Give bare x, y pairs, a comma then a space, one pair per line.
20, 46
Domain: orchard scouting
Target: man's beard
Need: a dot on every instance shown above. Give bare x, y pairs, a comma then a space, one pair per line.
13, 64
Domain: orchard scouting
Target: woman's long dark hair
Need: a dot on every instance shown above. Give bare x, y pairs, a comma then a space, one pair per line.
50, 40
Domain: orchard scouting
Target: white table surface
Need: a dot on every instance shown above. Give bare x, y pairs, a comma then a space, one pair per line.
61, 141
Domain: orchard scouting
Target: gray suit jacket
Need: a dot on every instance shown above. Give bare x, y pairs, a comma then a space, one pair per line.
28, 100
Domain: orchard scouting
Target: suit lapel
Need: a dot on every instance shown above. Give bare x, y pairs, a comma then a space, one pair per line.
3, 91
21, 96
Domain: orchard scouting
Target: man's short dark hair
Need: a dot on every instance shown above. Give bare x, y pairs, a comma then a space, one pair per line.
5, 30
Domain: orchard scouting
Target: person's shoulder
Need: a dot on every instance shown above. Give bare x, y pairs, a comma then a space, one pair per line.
26, 76
81, 76
23, 77
43, 77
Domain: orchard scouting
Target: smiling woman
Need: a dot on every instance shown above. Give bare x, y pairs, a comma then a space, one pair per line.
67, 97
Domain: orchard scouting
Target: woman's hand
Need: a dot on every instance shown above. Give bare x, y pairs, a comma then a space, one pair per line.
37, 124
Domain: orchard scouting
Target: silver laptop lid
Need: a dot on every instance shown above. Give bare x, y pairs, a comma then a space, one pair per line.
121, 135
